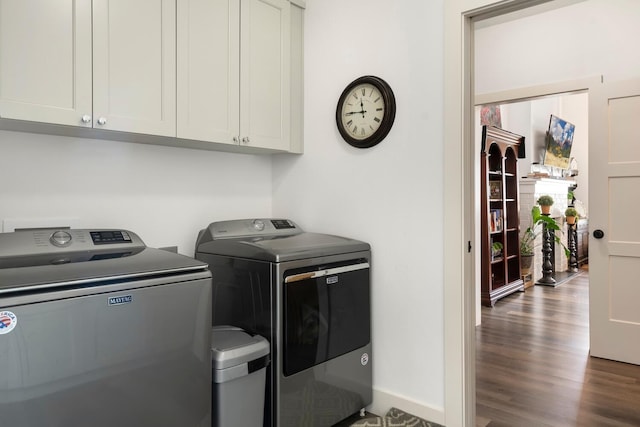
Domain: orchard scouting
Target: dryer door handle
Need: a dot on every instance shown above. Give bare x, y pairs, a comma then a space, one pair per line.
320, 273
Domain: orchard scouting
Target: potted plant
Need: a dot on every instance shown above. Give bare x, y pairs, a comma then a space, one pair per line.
496, 250
535, 229
545, 203
571, 214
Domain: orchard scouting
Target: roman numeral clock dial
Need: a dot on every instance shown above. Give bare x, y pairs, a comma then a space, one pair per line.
366, 111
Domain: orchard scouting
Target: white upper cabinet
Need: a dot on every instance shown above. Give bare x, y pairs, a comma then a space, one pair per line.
45, 60
209, 70
265, 74
134, 60
111, 68
234, 74
209, 74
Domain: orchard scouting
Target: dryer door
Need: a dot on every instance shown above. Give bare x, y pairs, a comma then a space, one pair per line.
326, 313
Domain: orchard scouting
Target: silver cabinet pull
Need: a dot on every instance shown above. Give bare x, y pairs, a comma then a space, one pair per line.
102, 121
86, 118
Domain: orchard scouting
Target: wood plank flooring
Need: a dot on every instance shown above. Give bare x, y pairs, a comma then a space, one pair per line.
533, 366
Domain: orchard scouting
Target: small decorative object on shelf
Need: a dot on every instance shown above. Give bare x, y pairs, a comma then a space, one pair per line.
496, 220
496, 251
495, 189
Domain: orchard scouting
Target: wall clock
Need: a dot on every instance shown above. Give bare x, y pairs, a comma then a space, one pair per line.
366, 111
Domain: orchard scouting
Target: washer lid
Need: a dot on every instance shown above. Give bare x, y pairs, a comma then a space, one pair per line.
37, 259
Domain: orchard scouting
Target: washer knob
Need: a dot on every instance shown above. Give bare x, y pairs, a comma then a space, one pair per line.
258, 224
60, 238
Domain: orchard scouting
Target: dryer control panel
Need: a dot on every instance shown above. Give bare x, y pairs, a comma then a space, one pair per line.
247, 228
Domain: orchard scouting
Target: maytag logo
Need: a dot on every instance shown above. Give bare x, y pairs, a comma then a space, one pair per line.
123, 299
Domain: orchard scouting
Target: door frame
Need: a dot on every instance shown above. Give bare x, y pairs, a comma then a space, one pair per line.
459, 217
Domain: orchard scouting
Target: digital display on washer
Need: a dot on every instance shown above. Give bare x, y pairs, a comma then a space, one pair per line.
281, 224
110, 237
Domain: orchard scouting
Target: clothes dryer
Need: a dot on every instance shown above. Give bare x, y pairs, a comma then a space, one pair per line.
309, 295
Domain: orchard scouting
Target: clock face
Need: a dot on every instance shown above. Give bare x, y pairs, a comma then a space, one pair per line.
366, 111
362, 111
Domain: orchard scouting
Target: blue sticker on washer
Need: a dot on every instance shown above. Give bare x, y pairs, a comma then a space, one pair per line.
8, 322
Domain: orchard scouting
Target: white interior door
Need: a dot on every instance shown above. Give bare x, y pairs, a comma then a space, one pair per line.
614, 259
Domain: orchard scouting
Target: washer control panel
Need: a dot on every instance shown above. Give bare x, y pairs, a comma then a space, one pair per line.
40, 241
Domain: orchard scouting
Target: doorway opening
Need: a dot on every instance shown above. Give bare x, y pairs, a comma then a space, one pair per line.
530, 117
523, 117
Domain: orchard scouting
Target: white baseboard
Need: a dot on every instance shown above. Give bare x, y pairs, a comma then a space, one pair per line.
384, 400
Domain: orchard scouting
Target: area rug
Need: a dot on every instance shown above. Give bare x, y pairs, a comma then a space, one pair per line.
395, 418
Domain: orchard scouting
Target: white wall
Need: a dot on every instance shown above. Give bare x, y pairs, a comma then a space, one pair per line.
575, 109
585, 39
164, 194
389, 195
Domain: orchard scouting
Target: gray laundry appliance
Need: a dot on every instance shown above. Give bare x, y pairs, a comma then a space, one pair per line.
96, 329
308, 294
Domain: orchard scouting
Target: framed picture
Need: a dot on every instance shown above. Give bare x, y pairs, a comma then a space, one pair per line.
559, 139
490, 116
495, 189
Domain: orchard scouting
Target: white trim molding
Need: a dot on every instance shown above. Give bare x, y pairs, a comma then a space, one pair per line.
384, 400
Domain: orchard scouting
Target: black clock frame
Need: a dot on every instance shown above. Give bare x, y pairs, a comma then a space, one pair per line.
387, 118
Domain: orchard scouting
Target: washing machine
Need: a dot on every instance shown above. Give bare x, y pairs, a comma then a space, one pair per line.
308, 294
97, 329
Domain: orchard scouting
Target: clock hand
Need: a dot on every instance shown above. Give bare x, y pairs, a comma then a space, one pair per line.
350, 113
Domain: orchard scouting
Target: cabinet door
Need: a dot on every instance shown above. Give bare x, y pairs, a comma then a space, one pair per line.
265, 74
208, 70
45, 60
134, 64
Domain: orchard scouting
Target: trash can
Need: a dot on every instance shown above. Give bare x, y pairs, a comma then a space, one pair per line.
239, 362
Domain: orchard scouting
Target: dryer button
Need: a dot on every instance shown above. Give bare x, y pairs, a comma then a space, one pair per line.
60, 238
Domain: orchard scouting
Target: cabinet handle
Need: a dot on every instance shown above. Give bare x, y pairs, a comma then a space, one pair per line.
245, 140
235, 139
102, 121
86, 118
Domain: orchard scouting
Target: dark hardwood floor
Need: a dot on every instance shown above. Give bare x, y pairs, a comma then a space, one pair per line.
533, 366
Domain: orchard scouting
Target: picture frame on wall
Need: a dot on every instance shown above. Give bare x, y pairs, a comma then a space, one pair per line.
558, 141
490, 115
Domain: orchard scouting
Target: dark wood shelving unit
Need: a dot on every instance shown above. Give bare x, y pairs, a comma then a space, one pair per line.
500, 220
